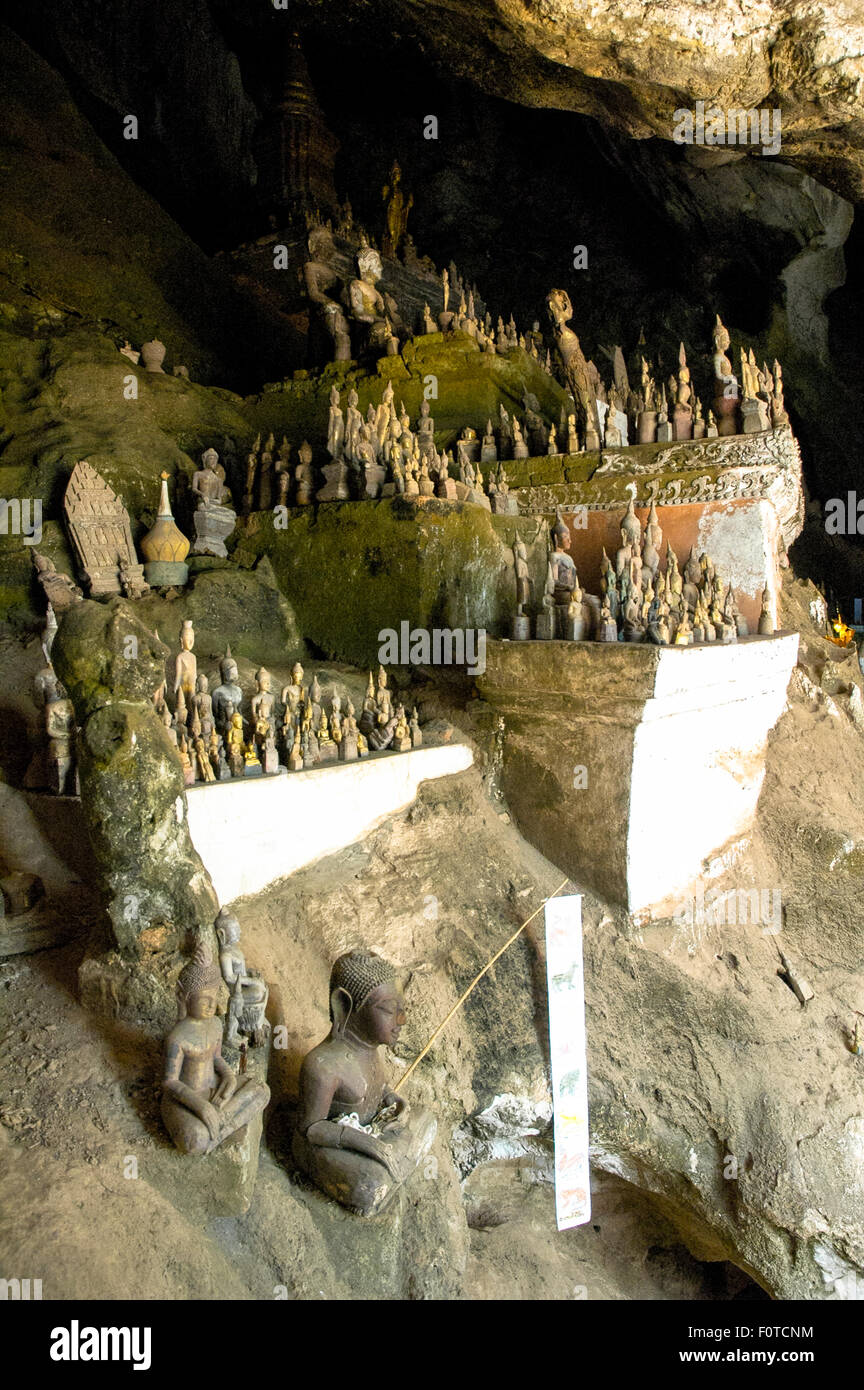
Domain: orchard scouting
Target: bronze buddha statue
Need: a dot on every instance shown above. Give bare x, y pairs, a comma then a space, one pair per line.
354, 1136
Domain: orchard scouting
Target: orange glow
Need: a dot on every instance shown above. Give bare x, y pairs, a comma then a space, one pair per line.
841, 634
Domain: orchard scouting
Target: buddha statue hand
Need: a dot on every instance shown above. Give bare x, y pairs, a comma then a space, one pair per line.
398, 1118
225, 1090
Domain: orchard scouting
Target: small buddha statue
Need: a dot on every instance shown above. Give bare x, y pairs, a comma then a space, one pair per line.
692, 579
295, 757
227, 691
292, 695
263, 703
248, 993
684, 635
382, 696
204, 705
328, 751
416, 731
607, 630
401, 734
348, 750
251, 762
766, 619
203, 1102
214, 518
733, 616
336, 718
633, 630
354, 1137
236, 745
202, 759
185, 761
186, 664
652, 543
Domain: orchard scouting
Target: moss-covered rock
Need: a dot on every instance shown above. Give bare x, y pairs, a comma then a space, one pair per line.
353, 569
154, 886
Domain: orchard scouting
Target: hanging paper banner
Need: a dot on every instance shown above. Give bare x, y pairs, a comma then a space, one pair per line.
566, 985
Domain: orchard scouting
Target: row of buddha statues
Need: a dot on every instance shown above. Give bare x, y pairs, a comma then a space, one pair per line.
648, 412
384, 456
223, 735
639, 601
353, 1136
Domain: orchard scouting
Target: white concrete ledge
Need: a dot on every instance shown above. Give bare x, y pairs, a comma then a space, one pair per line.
251, 832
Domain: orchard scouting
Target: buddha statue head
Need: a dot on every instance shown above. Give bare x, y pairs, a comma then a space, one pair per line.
262, 679
202, 685
187, 635
366, 1005
228, 670
297, 674
227, 928
561, 538
369, 264
198, 984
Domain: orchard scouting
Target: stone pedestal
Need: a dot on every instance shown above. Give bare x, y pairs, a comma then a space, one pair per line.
336, 487
221, 1183
671, 747
213, 526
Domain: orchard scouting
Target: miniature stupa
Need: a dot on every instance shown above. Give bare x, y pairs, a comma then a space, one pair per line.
165, 547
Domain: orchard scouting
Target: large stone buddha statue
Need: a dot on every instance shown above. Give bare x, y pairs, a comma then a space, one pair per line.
354, 1136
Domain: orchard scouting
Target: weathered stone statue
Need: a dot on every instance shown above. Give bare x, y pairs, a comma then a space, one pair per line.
354, 1137
214, 517
652, 543
59, 716
335, 426
321, 281
366, 303
305, 475
560, 312
248, 992
203, 1102
204, 705
766, 620
228, 692
264, 703
725, 382
60, 591
563, 568
186, 664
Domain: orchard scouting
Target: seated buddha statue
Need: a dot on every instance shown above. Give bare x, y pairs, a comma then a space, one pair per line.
355, 1137
203, 1102
365, 303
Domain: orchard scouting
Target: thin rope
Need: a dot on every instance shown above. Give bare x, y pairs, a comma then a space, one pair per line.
474, 982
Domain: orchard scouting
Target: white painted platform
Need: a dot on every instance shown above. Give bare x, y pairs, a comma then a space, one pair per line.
699, 759
249, 833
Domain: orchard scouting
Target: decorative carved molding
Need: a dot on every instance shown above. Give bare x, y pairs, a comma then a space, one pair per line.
763, 466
